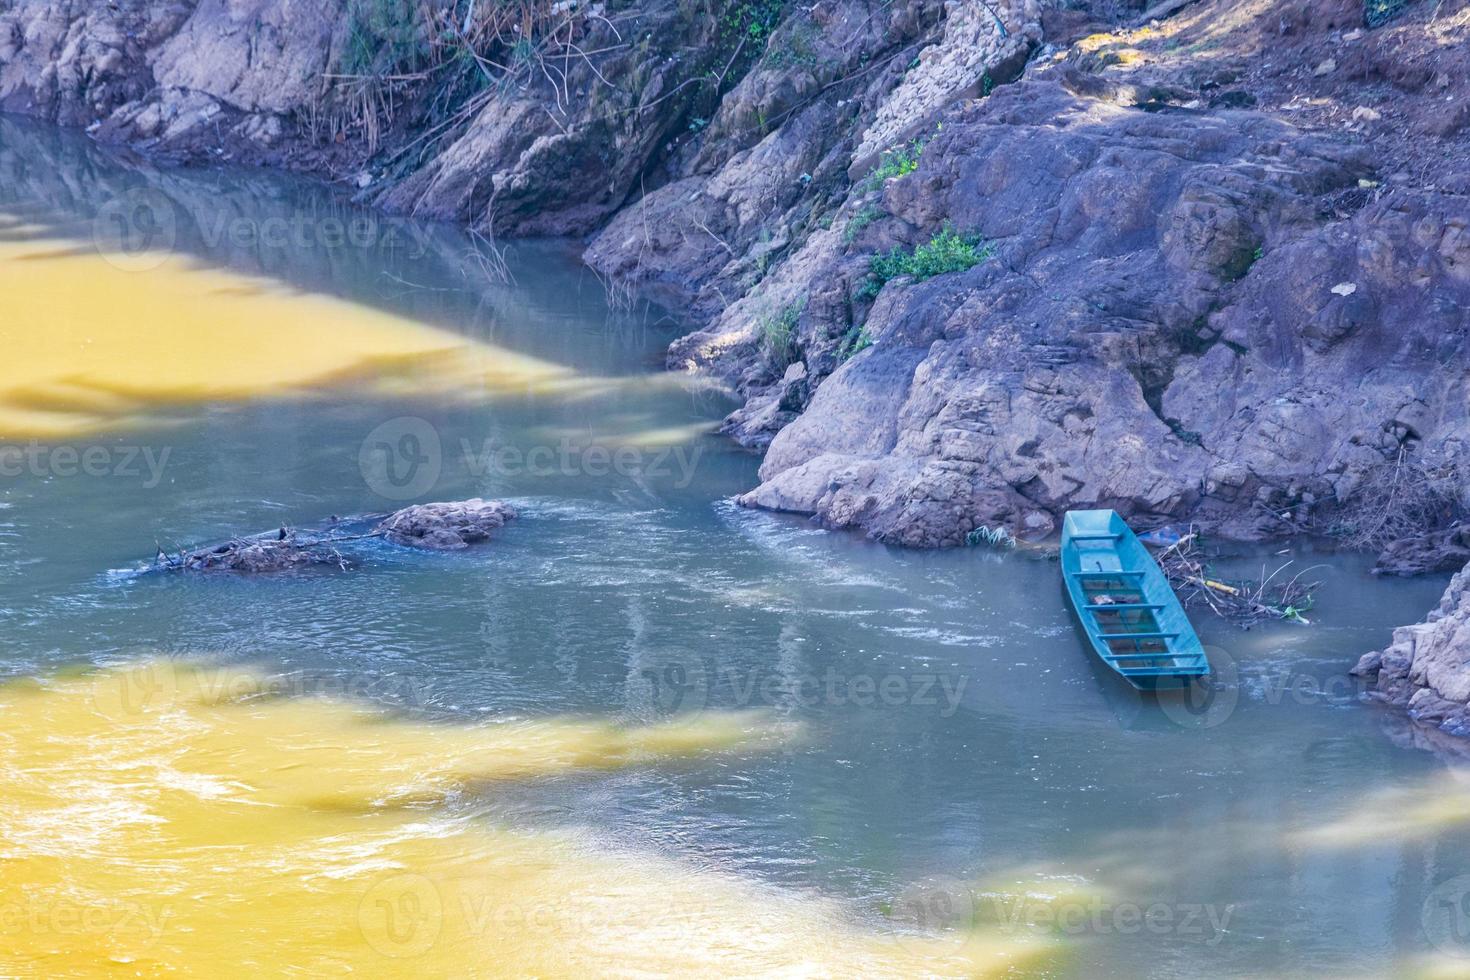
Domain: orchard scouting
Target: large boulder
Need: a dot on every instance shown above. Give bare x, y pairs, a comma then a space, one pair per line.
1426, 669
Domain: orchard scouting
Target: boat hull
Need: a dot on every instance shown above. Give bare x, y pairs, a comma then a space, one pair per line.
1126, 608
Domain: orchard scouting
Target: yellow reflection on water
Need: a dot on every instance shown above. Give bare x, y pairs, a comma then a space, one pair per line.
1401, 813
90, 344
1438, 967
163, 818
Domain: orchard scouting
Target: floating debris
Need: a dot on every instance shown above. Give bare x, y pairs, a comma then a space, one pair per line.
1245, 602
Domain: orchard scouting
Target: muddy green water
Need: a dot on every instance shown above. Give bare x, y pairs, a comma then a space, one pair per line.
956, 727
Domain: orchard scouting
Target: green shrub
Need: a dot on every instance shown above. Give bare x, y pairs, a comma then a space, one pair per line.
947, 251
898, 162
778, 334
866, 215
798, 49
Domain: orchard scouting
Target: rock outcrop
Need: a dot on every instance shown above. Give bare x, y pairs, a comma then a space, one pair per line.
1426, 669
1447, 550
446, 526
592, 97
281, 551
1188, 308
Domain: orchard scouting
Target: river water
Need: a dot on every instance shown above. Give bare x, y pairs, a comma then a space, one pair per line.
644, 730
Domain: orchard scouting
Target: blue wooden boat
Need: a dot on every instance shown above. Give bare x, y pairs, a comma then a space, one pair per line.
1128, 609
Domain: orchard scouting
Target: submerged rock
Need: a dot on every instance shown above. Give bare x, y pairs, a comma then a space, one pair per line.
446, 526
277, 552
1426, 669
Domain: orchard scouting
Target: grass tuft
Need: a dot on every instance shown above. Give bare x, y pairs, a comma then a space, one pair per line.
993, 537
778, 335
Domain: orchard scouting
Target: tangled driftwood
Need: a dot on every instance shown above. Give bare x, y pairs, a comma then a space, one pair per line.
438, 526
1274, 595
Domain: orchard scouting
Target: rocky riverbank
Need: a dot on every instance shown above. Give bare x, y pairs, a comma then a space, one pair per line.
1426, 670
969, 264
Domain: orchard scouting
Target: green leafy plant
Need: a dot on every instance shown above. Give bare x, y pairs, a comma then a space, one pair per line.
749, 25
947, 251
994, 537
897, 162
778, 334
797, 49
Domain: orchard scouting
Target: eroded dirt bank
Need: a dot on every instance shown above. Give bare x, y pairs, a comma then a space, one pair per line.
970, 264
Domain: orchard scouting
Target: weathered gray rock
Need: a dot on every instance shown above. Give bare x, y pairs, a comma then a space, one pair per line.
256, 55
1440, 551
1426, 669
771, 159
446, 526
77, 62
984, 45
1038, 380
553, 151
